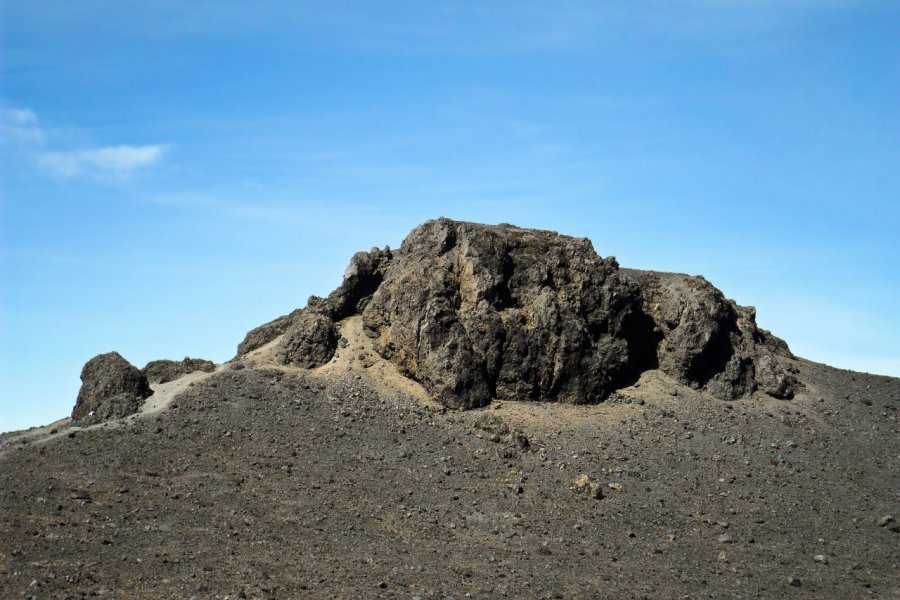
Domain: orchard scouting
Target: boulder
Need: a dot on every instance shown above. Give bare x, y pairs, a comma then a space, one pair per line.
310, 341
163, 371
111, 388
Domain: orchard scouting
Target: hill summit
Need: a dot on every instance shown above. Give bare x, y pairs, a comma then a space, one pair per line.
479, 312
475, 313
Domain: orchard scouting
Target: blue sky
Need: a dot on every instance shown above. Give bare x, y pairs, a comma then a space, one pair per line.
173, 174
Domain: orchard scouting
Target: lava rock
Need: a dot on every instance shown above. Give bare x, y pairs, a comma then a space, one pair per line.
262, 335
309, 332
163, 371
587, 486
475, 312
362, 277
310, 341
888, 522
709, 342
111, 388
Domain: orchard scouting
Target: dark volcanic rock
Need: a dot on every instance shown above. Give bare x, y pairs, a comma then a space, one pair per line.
262, 335
311, 339
477, 312
111, 388
711, 342
362, 277
162, 371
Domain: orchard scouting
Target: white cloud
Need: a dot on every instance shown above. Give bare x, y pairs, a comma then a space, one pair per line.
21, 125
110, 161
21, 129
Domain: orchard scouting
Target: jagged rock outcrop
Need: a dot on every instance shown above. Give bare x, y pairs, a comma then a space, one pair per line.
362, 277
267, 332
111, 388
478, 312
163, 371
709, 341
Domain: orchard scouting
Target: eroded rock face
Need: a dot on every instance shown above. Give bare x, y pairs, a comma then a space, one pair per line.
476, 312
362, 278
163, 371
710, 342
111, 388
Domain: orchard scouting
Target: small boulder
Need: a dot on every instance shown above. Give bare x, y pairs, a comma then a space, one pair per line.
111, 388
310, 341
889, 523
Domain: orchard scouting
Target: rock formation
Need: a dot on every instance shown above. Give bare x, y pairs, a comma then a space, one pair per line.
310, 340
710, 342
111, 388
163, 371
477, 312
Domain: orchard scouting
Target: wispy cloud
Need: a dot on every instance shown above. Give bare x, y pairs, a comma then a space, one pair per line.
110, 161
21, 126
22, 130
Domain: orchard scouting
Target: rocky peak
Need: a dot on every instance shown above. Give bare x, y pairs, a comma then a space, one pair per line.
479, 312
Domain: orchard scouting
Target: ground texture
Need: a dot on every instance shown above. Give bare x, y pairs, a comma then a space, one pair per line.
338, 482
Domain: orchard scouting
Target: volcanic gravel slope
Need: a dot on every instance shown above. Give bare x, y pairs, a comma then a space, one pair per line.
292, 483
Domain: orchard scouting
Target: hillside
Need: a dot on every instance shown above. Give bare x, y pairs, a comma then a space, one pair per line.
485, 412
